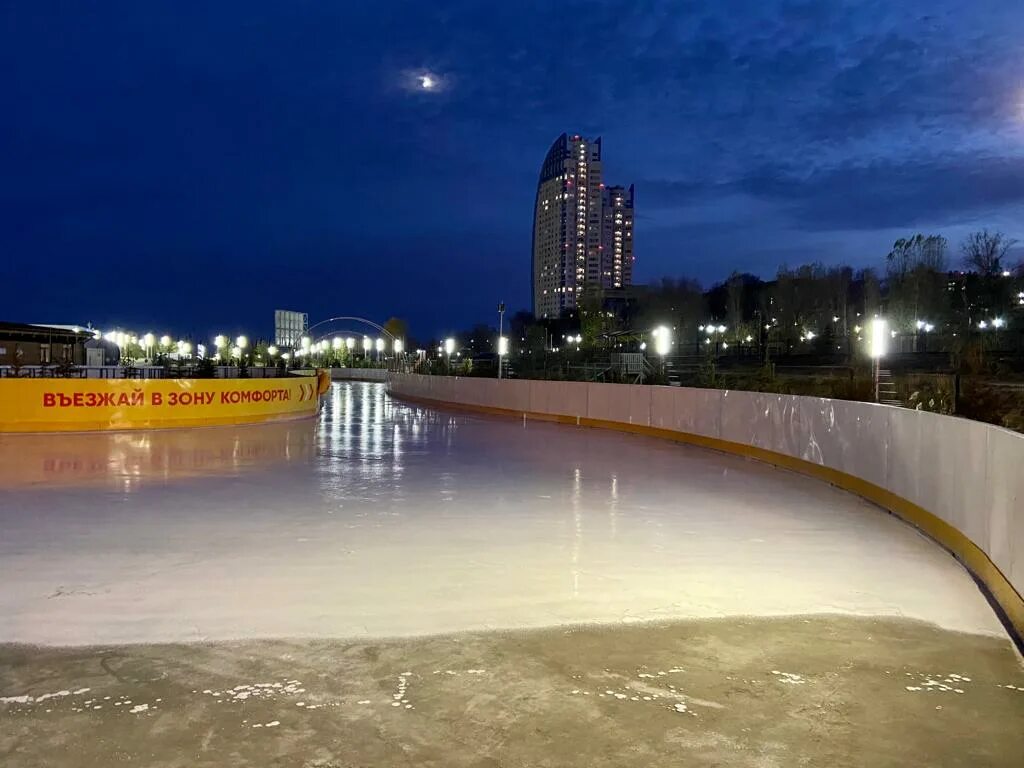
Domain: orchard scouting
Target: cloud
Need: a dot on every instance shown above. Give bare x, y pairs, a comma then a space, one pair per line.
892, 194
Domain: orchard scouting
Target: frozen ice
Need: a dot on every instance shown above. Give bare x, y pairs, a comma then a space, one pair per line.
441, 522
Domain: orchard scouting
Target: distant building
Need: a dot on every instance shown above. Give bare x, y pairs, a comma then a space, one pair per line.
582, 230
24, 344
289, 327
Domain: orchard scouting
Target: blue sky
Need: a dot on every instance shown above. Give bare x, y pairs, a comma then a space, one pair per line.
194, 165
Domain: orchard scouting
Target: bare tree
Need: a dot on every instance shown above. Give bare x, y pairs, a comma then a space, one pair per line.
984, 252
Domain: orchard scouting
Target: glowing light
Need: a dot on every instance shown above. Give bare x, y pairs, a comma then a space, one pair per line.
201, 350
350, 343
236, 352
241, 342
427, 82
271, 350
165, 341
380, 345
336, 342
449, 345
149, 340
662, 340
983, 325
286, 356
398, 346
305, 342
721, 329
879, 333
367, 344
502, 345
220, 342
748, 339
998, 322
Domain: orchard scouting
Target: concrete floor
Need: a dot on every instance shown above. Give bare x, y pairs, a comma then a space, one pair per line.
554, 596
757, 692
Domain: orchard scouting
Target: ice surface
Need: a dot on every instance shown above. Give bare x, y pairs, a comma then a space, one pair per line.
391, 519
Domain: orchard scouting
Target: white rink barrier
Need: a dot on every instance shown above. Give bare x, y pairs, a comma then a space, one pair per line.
959, 481
359, 374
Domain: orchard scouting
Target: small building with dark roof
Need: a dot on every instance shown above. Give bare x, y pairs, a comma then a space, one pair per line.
27, 344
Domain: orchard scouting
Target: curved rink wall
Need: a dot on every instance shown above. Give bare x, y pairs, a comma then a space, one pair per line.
961, 482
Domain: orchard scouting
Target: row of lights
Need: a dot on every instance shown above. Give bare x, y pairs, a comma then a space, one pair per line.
307, 346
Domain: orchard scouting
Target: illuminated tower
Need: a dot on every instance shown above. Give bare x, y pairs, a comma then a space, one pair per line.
582, 232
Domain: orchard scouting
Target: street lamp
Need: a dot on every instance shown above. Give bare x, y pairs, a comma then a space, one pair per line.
398, 346
879, 342
449, 347
165, 341
502, 351
367, 346
272, 350
662, 340
241, 342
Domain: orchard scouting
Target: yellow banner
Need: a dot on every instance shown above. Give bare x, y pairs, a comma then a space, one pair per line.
68, 405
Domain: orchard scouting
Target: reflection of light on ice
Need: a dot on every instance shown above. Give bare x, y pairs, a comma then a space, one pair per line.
417, 521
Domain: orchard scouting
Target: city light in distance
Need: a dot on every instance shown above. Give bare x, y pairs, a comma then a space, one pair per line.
350, 343
367, 344
380, 345
241, 342
398, 346
449, 345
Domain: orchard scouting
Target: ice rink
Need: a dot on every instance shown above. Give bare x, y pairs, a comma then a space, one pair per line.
389, 519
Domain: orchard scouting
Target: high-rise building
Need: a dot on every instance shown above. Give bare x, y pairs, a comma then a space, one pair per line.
582, 230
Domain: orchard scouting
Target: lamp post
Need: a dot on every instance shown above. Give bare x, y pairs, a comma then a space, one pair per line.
449, 347
879, 340
501, 335
367, 346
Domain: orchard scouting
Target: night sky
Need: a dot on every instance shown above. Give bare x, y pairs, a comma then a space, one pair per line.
190, 166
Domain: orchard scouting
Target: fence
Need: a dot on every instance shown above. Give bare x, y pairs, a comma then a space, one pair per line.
137, 372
